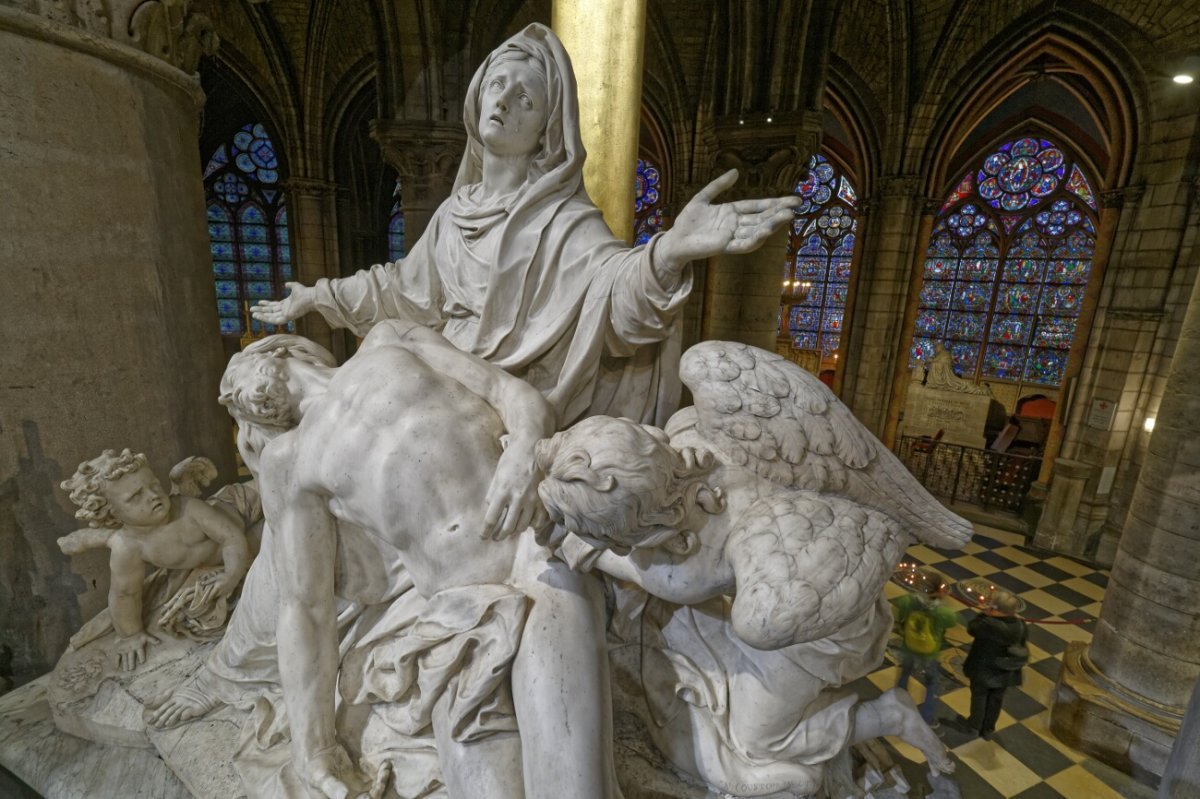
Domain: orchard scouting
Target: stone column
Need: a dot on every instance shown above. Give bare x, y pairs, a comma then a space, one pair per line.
888, 291
426, 155
109, 321
313, 230
1123, 697
743, 291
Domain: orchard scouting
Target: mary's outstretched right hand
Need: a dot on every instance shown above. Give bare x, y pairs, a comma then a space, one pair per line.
280, 312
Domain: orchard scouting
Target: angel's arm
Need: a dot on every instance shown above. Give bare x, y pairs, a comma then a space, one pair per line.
128, 572
85, 539
682, 578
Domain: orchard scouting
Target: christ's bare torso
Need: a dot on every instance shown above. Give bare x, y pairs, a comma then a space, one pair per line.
408, 461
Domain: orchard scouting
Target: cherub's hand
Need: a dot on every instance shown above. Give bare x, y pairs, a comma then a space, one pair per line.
330, 774
278, 312
512, 501
704, 229
131, 651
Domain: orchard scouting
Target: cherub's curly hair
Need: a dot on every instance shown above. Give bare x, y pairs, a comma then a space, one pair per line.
254, 385
621, 485
86, 486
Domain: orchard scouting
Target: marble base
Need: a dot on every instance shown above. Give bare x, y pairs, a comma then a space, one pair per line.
65, 767
1095, 716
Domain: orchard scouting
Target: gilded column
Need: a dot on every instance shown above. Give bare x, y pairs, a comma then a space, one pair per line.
605, 41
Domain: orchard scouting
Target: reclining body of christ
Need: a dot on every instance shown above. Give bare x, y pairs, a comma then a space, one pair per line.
398, 450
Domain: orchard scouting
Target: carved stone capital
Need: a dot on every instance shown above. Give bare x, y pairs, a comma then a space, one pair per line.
165, 29
900, 186
1118, 198
771, 156
426, 154
931, 205
308, 187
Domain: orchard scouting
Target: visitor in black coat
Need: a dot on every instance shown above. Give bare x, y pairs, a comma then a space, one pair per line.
995, 661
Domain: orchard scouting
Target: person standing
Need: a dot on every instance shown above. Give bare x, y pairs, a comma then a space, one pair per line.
994, 663
923, 619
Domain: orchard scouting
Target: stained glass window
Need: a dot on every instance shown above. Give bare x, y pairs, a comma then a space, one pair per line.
396, 227
1007, 266
816, 278
647, 202
247, 228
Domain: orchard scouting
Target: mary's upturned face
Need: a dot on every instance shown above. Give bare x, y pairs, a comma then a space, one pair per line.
512, 114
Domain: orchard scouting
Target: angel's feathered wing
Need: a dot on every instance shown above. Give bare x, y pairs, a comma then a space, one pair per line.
808, 566
757, 410
192, 475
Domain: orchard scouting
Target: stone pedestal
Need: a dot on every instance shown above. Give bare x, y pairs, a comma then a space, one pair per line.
961, 417
1057, 530
1097, 716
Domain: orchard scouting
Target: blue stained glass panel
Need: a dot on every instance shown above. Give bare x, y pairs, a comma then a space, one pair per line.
221, 250
227, 308
931, 324
1010, 329
1062, 300
220, 231
832, 321
972, 296
258, 290
940, 268
801, 319
224, 269
966, 326
1046, 367
813, 300
231, 326
845, 245
256, 252
944, 247
936, 294
1068, 271
977, 269
966, 356
1026, 270
256, 271
810, 268
830, 343
1055, 333
1003, 361
921, 352
805, 341
1019, 298
839, 269
285, 254
252, 215
835, 295
254, 233
217, 213
285, 271
227, 289
1027, 246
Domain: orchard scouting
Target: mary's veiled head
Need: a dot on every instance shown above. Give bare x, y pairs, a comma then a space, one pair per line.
560, 152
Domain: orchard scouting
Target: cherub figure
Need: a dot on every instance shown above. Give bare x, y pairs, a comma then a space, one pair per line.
768, 522
129, 512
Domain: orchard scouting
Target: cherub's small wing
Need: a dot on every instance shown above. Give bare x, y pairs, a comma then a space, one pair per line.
759, 411
85, 539
808, 565
192, 475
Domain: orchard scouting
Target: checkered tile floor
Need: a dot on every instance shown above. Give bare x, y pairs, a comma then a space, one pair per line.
1023, 760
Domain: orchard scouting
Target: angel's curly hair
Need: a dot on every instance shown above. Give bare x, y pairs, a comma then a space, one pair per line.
86, 486
254, 385
621, 485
